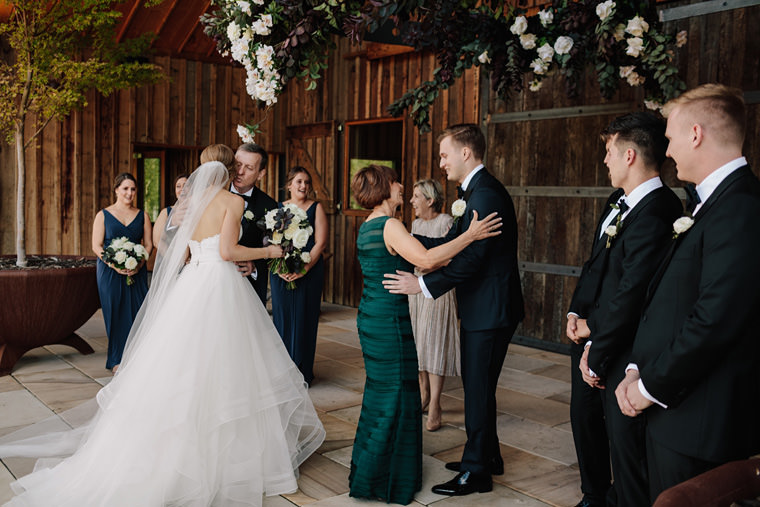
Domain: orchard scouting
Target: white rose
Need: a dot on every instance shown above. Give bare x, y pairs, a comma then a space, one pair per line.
245, 7
611, 231
528, 40
626, 70
233, 31
637, 26
269, 218
244, 134
305, 257
128, 245
635, 45
239, 50
519, 26
634, 79
248, 215
653, 105
141, 252
605, 9
546, 52
300, 238
131, 263
563, 45
619, 32
483, 58
539, 66
458, 208
681, 38
258, 2
546, 17
260, 27
276, 238
682, 225
291, 231
535, 85
120, 256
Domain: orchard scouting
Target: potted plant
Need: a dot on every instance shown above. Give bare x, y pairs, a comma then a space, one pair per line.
60, 51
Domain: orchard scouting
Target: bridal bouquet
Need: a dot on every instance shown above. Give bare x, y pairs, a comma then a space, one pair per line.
124, 254
289, 228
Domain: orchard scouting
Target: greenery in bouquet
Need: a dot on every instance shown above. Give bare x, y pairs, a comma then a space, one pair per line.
621, 40
289, 228
124, 254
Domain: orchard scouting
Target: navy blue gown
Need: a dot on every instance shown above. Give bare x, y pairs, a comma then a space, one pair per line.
296, 312
120, 302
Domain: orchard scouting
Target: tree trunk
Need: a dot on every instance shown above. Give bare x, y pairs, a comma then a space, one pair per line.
20, 202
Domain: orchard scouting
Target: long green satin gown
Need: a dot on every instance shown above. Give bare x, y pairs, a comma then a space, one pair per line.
387, 458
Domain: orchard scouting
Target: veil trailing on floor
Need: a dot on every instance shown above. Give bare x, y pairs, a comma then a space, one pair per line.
276, 398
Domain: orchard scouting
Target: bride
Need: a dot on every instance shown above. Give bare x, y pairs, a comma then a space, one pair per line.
207, 407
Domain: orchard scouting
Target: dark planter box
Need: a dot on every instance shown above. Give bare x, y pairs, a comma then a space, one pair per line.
44, 307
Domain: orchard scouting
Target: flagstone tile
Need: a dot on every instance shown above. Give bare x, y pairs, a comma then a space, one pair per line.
514, 348
345, 500
525, 363
18, 408
521, 466
555, 371
541, 410
322, 477
38, 360
19, 467
341, 374
451, 384
326, 330
563, 397
277, 501
565, 427
501, 496
339, 433
337, 351
8, 383
94, 327
554, 357
528, 383
349, 324
536, 438
5, 484
327, 396
559, 487
341, 456
345, 337
92, 365
349, 414
445, 438
60, 390
452, 410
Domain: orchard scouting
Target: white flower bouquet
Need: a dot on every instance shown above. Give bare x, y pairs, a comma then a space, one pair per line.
124, 254
289, 228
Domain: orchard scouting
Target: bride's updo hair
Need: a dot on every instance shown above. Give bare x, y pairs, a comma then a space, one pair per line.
219, 153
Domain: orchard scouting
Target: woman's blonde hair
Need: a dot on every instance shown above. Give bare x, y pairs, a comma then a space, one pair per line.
431, 189
219, 153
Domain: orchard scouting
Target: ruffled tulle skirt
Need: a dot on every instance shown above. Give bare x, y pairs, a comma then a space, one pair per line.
209, 410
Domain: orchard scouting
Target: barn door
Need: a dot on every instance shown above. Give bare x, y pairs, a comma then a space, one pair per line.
313, 146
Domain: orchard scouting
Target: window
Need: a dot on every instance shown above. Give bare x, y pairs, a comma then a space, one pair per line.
371, 142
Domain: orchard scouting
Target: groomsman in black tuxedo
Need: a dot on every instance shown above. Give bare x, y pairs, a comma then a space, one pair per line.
629, 243
489, 299
250, 166
696, 357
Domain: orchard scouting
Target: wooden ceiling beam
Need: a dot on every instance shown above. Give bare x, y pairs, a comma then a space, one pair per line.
128, 20
190, 32
166, 17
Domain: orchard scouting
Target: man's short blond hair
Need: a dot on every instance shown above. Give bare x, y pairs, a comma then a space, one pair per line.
718, 106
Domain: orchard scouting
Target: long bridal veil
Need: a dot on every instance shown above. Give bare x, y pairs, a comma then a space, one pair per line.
206, 396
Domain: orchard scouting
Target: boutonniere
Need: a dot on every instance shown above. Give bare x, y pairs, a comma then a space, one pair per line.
612, 230
248, 215
682, 225
458, 208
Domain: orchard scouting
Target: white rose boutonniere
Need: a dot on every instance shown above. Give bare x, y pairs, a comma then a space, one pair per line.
458, 208
612, 230
682, 225
248, 215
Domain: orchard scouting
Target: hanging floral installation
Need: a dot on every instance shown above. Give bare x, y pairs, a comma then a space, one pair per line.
622, 41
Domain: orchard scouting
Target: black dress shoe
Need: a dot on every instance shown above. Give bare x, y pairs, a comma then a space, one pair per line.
464, 484
497, 467
587, 503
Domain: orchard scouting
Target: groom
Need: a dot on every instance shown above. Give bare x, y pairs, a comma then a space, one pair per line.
250, 167
489, 298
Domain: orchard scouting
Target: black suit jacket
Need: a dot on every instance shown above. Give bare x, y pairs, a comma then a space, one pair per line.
485, 274
698, 343
253, 236
614, 281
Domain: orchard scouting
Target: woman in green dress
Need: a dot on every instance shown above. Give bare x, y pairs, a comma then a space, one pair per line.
386, 462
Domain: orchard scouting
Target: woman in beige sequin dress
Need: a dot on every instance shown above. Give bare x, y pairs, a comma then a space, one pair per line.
434, 321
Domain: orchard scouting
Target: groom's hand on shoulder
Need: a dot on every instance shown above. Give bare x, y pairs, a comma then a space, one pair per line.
245, 268
401, 282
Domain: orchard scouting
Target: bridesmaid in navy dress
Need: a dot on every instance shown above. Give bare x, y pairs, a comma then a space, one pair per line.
296, 312
120, 302
160, 225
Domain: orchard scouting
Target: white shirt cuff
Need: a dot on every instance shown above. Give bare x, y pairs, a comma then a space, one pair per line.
572, 313
648, 396
424, 288
632, 366
254, 274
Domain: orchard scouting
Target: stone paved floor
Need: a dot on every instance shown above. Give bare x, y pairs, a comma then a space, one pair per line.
533, 403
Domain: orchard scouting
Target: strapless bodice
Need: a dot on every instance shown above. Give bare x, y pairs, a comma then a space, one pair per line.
205, 250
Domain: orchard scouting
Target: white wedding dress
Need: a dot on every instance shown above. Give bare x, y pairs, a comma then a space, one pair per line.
208, 409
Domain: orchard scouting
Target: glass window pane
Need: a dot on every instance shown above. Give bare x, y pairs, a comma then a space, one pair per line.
152, 187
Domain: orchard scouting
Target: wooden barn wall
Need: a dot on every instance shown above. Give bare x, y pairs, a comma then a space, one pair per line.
533, 157
71, 167
358, 88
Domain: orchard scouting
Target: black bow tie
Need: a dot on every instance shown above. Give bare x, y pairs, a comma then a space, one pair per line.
623, 206
692, 197
460, 192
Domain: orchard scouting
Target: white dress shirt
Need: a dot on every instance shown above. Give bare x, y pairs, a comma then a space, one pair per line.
464, 185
